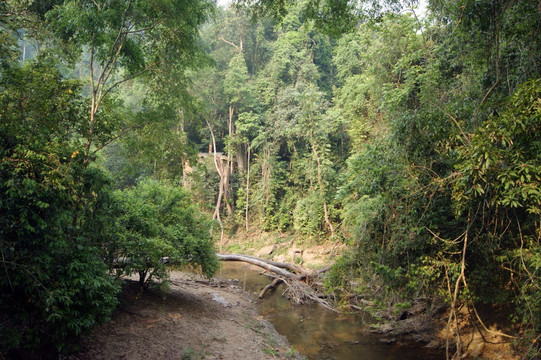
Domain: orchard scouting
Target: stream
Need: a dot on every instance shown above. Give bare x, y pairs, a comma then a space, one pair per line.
318, 333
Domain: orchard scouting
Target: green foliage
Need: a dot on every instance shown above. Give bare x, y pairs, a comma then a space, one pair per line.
339, 278
370, 89
56, 286
438, 119
236, 80
333, 17
147, 30
124, 40
374, 176
503, 164
57, 215
409, 133
158, 221
457, 143
308, 215
500, 174
204, 183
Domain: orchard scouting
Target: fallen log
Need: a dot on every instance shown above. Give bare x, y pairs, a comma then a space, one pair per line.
262, 264
300, 283
291, 267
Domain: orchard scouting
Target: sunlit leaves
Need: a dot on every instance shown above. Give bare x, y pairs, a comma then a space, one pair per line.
503, 165
333, 17
369, 88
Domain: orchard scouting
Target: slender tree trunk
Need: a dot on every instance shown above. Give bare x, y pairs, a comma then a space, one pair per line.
227, 188
322, 191
98, 84
229, 165
219, 201
231, 133
247, 187
219, 169
265, 176
321, 187
184, 162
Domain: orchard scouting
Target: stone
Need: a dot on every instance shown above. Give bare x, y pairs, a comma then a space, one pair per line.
265, 251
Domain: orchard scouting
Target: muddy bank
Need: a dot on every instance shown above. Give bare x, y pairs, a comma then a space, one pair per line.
193, 319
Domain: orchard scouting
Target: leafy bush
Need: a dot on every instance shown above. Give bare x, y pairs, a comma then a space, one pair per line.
500, 179
54, 286
158, 225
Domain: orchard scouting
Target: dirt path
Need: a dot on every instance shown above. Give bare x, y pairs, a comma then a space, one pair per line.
191, 320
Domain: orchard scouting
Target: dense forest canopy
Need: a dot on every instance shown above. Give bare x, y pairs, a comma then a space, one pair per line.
126, 125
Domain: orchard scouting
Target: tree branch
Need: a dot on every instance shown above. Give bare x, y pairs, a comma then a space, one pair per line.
230, 43
128, 78
118, 136
464, 136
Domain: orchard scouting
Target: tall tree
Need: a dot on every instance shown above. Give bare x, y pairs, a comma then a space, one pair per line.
55, 205
127, 39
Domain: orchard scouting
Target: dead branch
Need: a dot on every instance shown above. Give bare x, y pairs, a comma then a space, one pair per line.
300, 293
301, 286
272, 285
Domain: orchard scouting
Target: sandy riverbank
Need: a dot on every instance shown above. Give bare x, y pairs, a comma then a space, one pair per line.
193, 319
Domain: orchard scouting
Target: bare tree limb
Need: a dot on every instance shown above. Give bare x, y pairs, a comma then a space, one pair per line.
230, 43
272, 285
118, 136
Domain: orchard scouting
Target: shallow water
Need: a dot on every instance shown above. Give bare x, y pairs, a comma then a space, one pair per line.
318, 333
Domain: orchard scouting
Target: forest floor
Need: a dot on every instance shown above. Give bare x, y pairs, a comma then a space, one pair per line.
192, 319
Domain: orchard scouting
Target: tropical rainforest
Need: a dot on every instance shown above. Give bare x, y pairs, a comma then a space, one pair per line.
137, 130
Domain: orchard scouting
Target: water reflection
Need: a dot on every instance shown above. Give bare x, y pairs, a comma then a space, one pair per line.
316, 332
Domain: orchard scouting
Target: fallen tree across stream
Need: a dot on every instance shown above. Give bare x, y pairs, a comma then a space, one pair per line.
302, 285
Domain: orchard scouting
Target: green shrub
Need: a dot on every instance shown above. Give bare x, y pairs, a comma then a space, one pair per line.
308, 218
54, 284
157, 226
